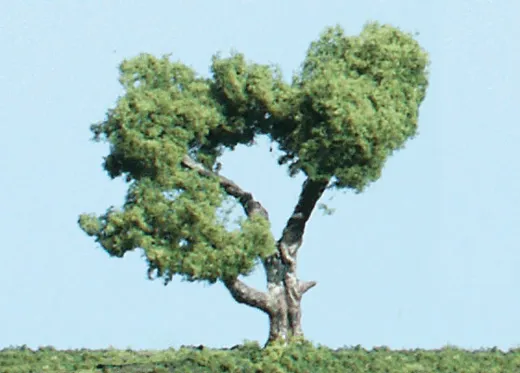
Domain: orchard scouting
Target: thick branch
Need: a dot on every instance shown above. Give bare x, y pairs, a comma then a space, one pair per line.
240, 292
244, 294
292, 234
250, 205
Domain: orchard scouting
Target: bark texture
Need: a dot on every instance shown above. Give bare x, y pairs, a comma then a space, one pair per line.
282, 299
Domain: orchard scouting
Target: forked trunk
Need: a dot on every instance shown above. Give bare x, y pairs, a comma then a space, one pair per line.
281, 302
284, 291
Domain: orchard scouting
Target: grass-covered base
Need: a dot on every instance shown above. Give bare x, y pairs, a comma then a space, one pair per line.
251, 358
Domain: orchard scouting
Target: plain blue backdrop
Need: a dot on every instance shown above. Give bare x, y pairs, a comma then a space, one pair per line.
427, 256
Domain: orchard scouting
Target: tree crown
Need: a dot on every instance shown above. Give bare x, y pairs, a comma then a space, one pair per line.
353, 103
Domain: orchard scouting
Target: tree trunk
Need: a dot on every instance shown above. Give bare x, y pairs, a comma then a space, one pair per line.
284, 300
281, 302
284, 319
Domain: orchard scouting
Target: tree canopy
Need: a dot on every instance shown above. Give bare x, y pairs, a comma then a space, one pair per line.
354, 102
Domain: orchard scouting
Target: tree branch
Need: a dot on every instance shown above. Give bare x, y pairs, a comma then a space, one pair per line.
304, 286
240, 292
250, 205
292, 234
244, 294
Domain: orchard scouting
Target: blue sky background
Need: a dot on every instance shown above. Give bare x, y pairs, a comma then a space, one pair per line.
427, 256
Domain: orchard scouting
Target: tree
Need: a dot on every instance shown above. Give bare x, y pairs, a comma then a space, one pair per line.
354, 102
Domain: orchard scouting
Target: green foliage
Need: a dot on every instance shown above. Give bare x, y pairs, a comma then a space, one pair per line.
353, 103
181, 234
251, 358
358, 102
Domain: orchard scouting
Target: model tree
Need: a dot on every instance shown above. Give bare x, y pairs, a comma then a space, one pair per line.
354, 102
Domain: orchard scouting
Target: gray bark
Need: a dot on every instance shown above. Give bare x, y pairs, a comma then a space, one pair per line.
282, 300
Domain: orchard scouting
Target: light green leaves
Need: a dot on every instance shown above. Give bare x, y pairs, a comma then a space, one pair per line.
359, 101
